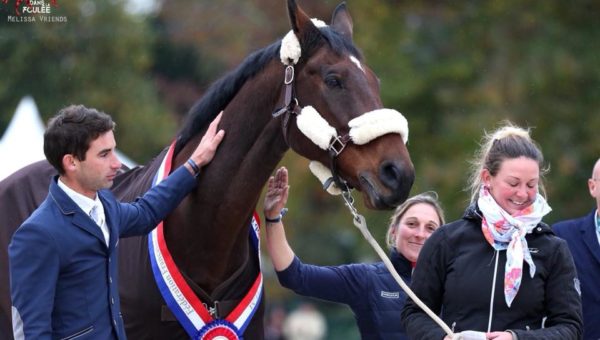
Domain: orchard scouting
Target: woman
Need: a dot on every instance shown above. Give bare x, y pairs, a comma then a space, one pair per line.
369, 289
499, 270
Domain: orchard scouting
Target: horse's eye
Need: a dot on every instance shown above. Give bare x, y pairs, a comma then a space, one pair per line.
332, 81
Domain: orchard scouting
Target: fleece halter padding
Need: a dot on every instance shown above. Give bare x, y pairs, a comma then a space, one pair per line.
323, 173
373, 124
363, 129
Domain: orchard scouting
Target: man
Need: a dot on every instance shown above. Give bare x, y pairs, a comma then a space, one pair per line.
583, 237
63, 258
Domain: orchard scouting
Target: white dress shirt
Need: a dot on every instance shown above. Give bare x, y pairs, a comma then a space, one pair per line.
87, 204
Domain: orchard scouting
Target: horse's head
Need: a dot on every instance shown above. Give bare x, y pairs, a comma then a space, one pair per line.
340, 122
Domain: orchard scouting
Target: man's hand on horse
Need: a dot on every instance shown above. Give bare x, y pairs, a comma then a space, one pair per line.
207, 148
277, 193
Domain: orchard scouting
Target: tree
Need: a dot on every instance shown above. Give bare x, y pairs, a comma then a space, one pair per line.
99, 57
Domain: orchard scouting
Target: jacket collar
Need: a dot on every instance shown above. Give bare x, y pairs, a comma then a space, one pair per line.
71, 211
589, 234
402, 265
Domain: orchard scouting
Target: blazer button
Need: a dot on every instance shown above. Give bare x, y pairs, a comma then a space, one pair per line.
109, 279
115, 322
112, 301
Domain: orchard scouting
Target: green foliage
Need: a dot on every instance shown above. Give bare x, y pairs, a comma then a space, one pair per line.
98, 58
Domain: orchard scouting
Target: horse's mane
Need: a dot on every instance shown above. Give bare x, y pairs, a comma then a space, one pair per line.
220, 93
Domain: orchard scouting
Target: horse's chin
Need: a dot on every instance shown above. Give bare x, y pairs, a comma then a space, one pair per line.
377, 202
375, 199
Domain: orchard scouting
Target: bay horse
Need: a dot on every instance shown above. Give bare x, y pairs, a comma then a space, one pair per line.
322, 89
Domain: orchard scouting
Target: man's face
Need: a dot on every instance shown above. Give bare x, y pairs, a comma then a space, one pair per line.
594, 183
100, 167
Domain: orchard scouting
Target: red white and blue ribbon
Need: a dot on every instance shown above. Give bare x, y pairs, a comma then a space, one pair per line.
184, 304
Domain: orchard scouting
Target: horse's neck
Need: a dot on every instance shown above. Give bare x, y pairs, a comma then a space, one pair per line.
216, 244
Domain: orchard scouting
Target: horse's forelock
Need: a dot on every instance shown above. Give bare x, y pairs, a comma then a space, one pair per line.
339, 43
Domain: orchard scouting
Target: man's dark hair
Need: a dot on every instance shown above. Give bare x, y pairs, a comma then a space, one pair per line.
71, 131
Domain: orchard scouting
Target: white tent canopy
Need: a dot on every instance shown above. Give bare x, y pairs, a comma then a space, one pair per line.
23, 140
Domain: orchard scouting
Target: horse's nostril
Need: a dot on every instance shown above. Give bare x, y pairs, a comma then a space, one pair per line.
390, 174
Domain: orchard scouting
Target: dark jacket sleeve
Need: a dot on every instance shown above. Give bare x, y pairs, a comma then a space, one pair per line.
564, 315
146, 212
427, 284
343, 284
34, 268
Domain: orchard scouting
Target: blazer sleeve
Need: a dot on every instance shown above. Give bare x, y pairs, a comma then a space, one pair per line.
563, 301
427, 284
144, 214
342, 284
34, 268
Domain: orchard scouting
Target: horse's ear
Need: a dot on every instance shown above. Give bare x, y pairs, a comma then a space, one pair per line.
341, 21
301, 23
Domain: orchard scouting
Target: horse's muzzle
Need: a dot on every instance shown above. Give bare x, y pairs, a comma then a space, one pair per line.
391, 187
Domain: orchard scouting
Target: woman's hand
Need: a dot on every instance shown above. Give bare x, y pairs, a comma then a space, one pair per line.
467, 335
277, 193
500, 336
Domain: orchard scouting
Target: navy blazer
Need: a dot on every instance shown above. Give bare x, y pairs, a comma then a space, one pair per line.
582, 240
64, 278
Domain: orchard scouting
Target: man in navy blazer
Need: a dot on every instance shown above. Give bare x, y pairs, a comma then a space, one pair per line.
583, 237
63, 258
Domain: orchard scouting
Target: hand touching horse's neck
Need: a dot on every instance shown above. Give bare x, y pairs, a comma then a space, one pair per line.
230, 186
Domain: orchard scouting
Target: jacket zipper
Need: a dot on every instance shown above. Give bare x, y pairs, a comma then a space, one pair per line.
489, 329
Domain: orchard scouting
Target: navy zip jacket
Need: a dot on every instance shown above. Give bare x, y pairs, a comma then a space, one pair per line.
369, 289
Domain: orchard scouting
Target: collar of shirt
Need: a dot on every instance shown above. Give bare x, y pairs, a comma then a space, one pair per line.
85, 203
597, 220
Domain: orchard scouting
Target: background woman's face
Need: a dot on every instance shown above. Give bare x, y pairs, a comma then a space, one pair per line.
415, 226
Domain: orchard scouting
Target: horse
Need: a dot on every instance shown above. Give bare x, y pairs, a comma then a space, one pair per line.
310, 92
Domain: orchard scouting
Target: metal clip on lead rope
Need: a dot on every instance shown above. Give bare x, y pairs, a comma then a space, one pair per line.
361, 223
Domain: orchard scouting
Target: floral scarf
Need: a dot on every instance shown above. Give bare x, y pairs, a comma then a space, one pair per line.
505, 231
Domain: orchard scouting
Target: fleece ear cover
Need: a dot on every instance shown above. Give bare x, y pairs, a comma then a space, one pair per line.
290, 50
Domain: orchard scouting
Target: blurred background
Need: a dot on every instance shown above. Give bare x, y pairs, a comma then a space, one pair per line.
454, 69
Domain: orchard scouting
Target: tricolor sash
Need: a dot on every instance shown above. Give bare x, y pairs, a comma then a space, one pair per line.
183, 303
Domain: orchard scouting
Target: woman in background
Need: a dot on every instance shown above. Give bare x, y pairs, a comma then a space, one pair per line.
367, 288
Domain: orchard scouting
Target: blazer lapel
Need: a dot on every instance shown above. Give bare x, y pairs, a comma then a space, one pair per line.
68, 208
590, 238
113, 240
83, 221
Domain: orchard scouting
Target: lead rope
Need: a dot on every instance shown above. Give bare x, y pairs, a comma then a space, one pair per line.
361, 224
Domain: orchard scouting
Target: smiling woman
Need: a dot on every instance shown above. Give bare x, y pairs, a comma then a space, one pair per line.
502, 225
367, 288
412, 224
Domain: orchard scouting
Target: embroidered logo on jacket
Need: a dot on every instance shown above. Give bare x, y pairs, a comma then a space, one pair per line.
390, 295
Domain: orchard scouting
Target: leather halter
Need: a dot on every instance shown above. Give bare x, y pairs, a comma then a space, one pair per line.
291, 107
